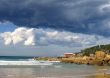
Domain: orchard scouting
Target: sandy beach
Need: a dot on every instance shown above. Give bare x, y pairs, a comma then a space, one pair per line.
60, 70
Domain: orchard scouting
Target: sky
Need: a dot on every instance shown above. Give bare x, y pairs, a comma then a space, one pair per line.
52, 27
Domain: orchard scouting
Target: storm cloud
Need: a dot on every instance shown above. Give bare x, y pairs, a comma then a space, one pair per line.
78, 16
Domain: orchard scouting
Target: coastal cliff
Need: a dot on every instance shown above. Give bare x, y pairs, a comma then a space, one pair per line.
96, 55
99, 58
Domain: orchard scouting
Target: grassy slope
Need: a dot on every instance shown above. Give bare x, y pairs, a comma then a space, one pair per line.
92, 50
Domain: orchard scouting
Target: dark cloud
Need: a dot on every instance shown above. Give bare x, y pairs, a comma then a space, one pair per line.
81, 16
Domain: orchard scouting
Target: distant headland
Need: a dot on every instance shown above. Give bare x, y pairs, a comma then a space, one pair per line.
97, 55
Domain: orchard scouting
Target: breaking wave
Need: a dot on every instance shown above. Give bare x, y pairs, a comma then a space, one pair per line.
29, 62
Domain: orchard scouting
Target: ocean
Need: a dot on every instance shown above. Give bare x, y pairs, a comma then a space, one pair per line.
26, 67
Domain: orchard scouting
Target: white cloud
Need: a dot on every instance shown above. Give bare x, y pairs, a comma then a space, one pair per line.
18, 36
44, 37
7, 38
105, 7
29, 41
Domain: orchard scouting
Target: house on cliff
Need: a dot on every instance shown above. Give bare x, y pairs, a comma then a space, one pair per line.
67, 55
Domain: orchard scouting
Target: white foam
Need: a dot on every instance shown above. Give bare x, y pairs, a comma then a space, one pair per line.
57, 66
25, 63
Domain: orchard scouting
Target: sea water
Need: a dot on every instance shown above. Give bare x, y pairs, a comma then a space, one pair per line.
25, 67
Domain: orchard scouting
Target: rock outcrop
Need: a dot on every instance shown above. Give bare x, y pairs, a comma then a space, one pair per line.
100, 58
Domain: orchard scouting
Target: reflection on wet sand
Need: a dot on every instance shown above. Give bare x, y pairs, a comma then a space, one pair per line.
101, 75
101, 72
56, 71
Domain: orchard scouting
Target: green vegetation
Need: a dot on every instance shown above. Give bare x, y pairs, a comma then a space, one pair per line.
97, 55
92, 50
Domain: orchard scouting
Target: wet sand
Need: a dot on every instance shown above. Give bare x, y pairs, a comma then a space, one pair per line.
99, 76
56, 71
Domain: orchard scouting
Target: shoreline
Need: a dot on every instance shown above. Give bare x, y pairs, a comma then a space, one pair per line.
100, 58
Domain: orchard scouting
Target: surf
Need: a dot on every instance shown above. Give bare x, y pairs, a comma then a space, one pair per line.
33, 62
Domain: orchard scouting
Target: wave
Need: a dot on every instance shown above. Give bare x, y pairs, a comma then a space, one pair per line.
30, 62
